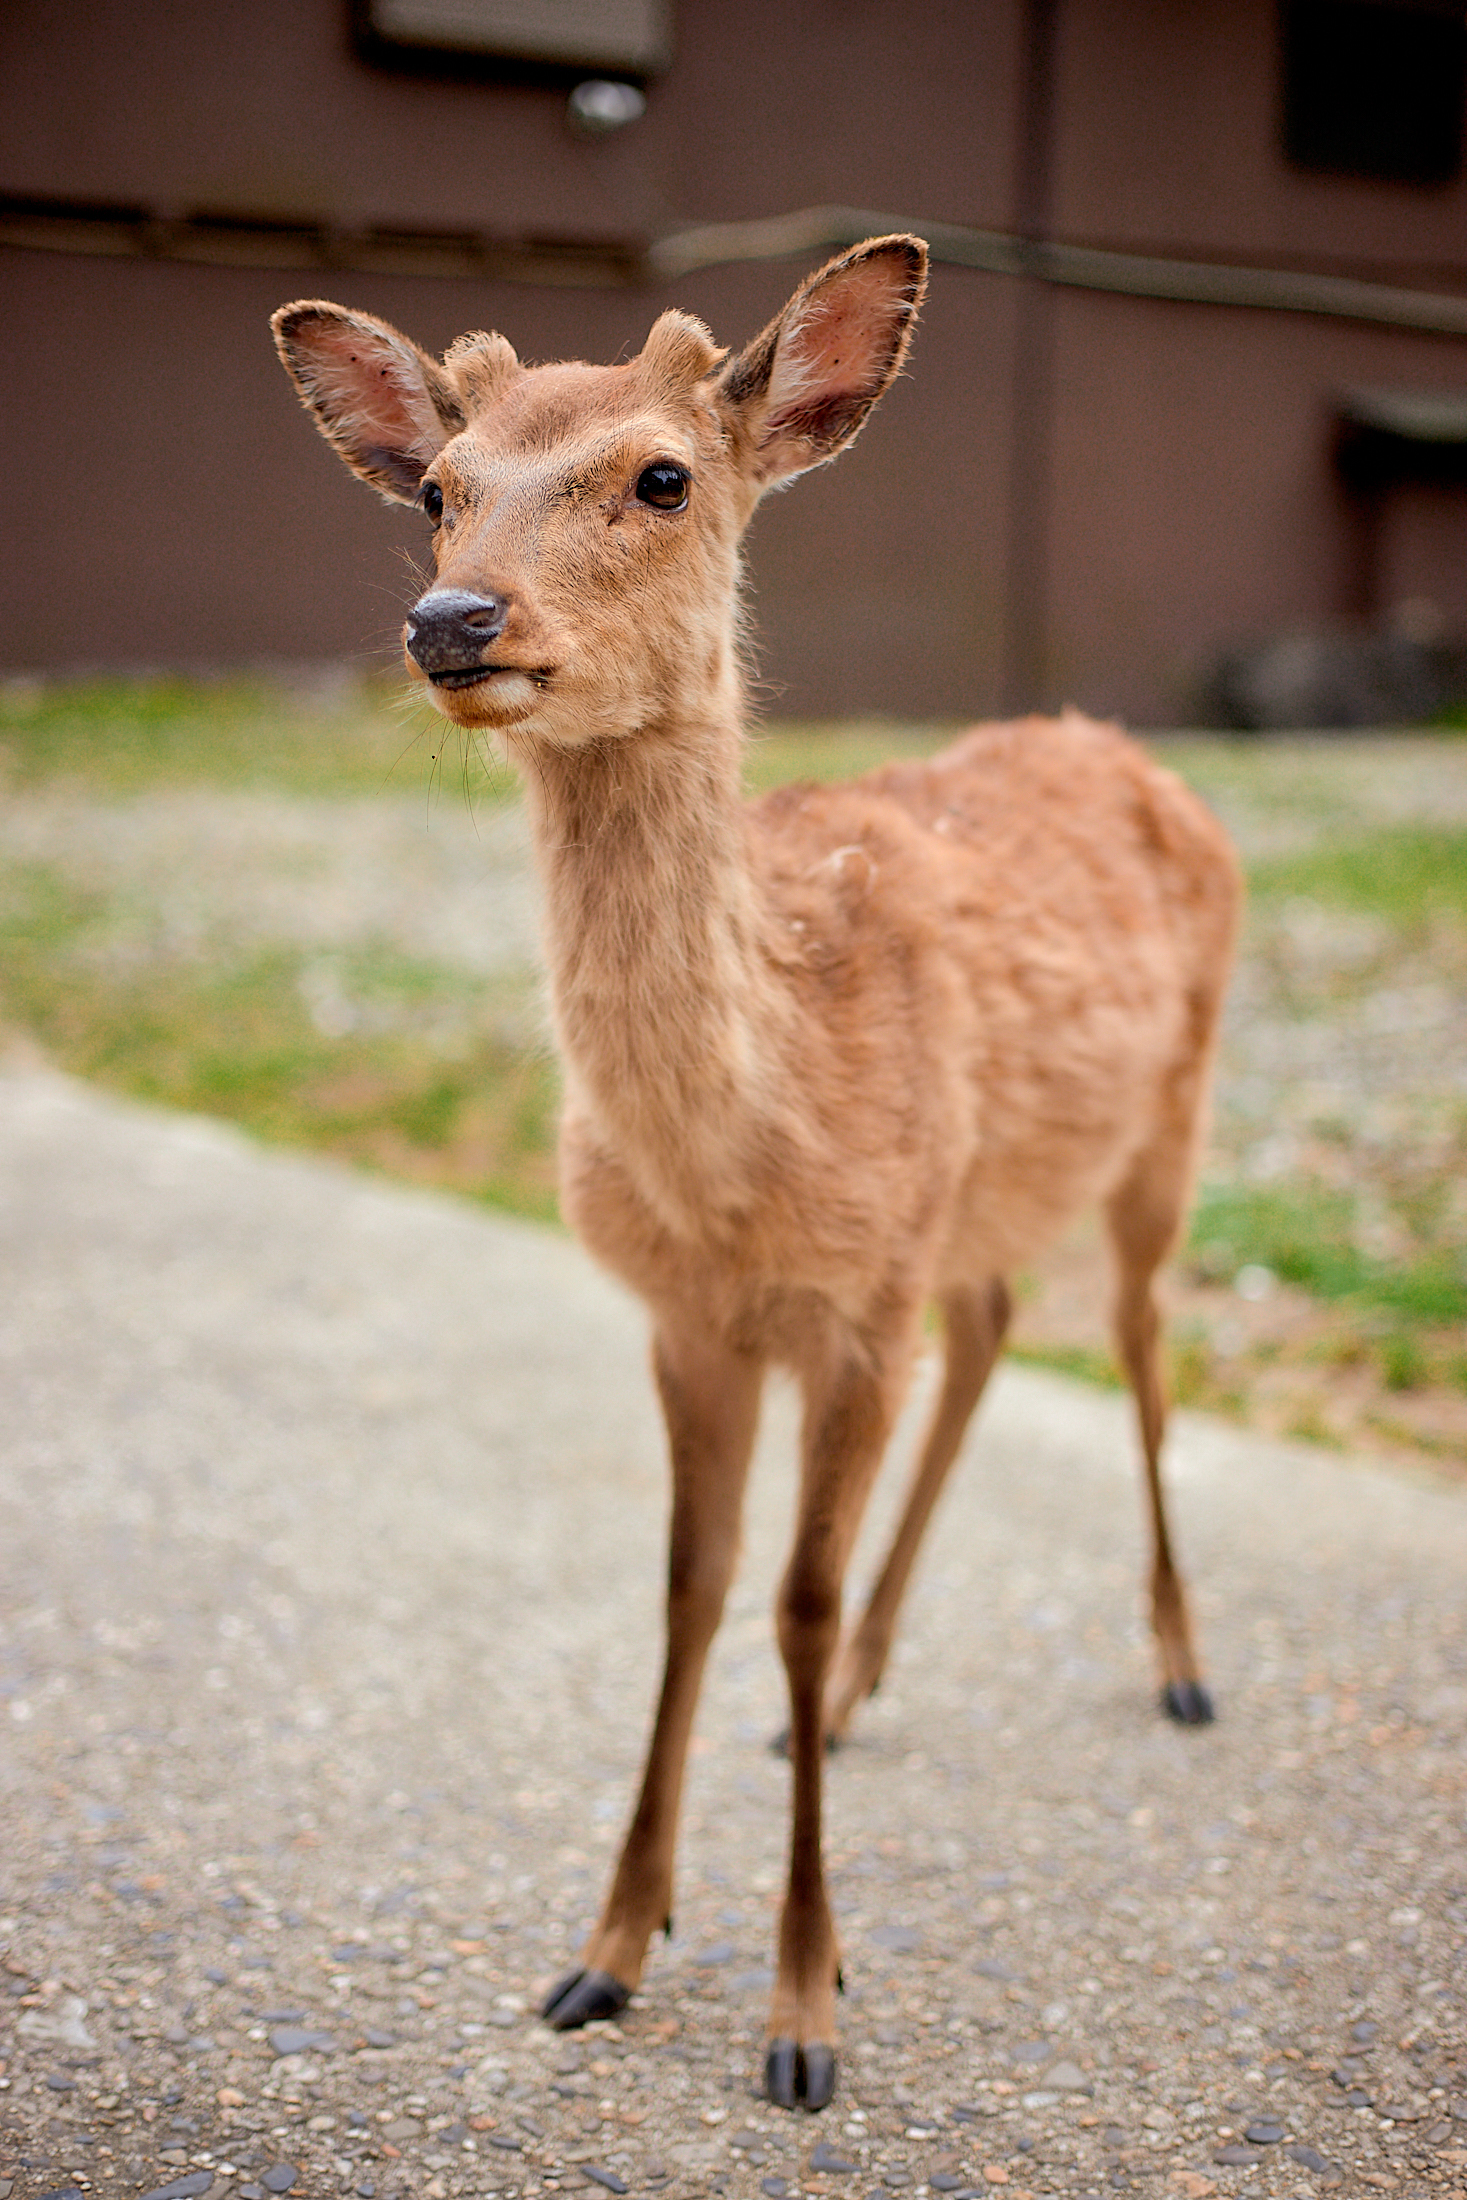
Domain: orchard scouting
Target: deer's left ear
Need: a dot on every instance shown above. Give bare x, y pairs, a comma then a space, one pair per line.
802, 390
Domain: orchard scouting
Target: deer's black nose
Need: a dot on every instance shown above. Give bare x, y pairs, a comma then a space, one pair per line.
449, 629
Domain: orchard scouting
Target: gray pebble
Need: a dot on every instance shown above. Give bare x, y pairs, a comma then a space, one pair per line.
377, 2038
992, 1967
293, 2039
1365, 2032
606, 2177
183, 2188
1399, 2112
721, 1952
775, 2187
62, 2085
828, 2158
1068, 2077
1307, 2157
503, 2141
901, 1938
1232, 2155
1264, 2133
1031, 2051
280, 2178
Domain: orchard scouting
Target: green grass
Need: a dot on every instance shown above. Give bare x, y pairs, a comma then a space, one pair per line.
1306, 1233
777, 754
1087, 1363
431, 1078
128, 736
1405, 874
120, 737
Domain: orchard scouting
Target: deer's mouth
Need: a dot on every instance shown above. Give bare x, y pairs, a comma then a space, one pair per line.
471, 676
467, 676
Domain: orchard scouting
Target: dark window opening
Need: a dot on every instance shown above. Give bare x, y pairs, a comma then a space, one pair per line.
537, 42
1373, 88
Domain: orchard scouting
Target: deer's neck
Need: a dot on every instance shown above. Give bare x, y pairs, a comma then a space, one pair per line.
667, 1013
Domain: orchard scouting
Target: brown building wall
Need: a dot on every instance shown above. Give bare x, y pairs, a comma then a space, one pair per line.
173, 505
1072, 496
1195, 501
1168, 138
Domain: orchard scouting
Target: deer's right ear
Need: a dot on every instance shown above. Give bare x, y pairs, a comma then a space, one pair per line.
385, 406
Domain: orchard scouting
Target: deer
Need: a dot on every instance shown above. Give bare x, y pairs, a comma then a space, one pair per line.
830, 1058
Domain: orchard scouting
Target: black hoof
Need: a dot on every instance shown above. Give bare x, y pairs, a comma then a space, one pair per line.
1188, 1703
582, 1996
782, 2073
799, 2077
819, 2063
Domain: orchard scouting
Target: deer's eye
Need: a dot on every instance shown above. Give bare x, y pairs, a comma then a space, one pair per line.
433, 501
663, 486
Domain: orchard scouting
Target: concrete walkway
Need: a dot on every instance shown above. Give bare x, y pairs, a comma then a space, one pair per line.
330, 1544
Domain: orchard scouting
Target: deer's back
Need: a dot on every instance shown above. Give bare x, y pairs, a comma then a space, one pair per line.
1008, 951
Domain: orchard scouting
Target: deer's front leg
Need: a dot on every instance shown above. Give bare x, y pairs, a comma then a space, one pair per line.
710, 1396
847, 1423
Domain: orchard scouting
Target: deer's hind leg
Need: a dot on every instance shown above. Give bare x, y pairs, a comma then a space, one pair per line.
1144, 1215
975, 1322
710, 1398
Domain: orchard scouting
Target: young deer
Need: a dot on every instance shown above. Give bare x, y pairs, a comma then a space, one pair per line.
828, 1057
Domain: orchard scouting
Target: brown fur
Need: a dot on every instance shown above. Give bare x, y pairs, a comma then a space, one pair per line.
828, 1057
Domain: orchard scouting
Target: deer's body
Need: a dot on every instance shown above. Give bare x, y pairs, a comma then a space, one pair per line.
932, 1016
829, 1057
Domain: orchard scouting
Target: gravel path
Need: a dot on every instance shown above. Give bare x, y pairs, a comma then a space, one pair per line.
329, 1570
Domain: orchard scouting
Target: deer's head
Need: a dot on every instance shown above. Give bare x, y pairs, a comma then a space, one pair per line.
586, 520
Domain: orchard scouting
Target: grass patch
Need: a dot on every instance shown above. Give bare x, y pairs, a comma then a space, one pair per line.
1305, 1232
1409, 875
127, 736
406, 1067
1086, 1362
779, 753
